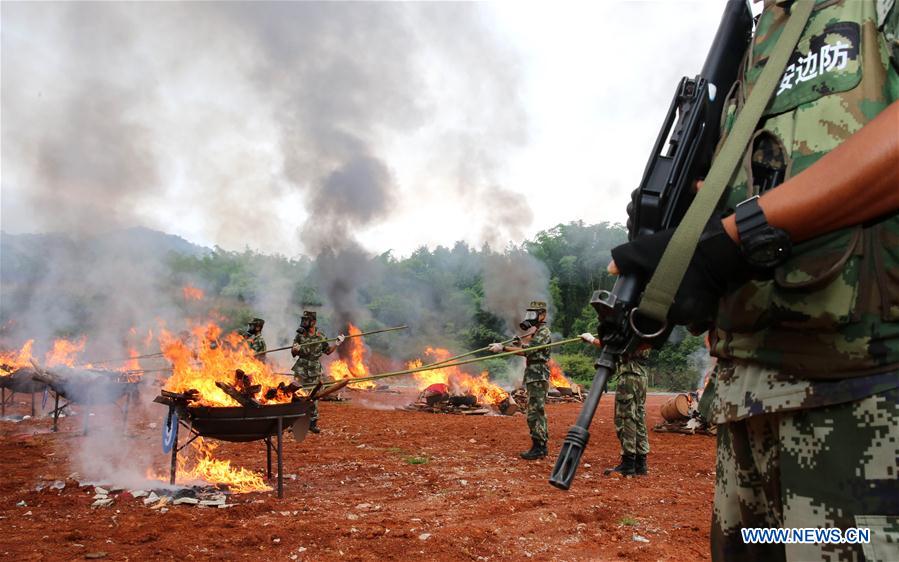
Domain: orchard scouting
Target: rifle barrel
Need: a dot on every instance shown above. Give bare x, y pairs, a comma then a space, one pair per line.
579, 434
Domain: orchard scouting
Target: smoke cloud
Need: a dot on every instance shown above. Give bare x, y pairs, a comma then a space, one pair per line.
248, 125
511, 281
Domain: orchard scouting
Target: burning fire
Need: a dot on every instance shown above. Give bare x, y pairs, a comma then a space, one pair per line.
192, 293
206, 468
64, 352
12, 361
213, 359
557, 378
458, 381
351, 364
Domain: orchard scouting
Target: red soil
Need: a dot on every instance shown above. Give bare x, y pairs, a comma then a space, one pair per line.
357, 496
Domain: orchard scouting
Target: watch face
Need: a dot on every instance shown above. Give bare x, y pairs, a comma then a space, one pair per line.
768, 249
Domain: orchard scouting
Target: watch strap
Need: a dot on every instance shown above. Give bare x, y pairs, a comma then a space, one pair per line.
750, 218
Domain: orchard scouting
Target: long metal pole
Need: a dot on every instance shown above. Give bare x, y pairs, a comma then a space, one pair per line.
455, 364
174, 464
395, 328
280, 459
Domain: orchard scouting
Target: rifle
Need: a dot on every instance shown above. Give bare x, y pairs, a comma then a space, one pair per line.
691, 129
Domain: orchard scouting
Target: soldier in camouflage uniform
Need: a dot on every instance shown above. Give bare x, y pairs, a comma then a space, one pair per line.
253, 336
630, 413
536, 374
308, 347
806, 389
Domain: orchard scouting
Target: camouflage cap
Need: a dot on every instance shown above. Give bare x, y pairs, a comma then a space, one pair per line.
309, 314
257, 321
537, 305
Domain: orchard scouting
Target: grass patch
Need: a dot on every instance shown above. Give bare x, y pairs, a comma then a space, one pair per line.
394, 449
416, 460
628, 521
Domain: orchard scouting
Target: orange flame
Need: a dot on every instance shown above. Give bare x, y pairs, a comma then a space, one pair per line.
192, 293
354, 366
457, 380
132, 364
12, 361
217, 472
64, 352
557, 377
207, 358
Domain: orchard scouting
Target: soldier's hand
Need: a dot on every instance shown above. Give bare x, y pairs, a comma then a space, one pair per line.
717, 266
340, 338
588, 337
295, 349
495, 347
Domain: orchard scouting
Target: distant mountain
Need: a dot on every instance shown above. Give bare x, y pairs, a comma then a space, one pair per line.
22, 256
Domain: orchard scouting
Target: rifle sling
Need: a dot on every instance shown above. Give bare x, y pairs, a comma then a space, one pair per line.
662, 288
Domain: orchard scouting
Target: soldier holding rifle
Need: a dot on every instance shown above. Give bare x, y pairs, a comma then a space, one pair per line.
799, 284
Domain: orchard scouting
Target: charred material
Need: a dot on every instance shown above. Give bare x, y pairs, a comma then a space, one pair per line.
251, 421
436, 399
556, 395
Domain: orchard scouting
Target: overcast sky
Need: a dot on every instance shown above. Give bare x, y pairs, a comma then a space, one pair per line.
234, 124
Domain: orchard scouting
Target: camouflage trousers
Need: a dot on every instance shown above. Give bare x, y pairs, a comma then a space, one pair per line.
828, 467
630, 414
309, 376
536, 409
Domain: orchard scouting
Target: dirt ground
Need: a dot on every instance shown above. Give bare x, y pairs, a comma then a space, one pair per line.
354, 492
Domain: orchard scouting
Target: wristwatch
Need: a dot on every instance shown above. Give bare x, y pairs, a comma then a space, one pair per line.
764, 246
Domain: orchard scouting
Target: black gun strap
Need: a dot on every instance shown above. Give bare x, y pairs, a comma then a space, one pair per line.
662, 288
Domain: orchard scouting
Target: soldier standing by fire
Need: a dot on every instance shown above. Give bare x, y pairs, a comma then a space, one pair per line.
536, 374
308, 347
253, 335
630, 412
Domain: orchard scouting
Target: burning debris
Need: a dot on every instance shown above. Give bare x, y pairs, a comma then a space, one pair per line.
213, 371
251, 403
436, 399
450, 390
680, 414
561, 389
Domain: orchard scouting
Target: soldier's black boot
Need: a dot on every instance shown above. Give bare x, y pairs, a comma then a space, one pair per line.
313, 427
625, 467
640, 468
537, 451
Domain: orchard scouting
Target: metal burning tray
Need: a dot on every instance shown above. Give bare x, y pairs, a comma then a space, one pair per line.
236, 424
241, 424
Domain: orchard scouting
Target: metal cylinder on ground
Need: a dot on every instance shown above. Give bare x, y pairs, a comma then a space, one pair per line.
676, 408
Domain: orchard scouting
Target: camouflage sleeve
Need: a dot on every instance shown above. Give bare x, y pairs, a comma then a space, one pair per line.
542, 337
888, 22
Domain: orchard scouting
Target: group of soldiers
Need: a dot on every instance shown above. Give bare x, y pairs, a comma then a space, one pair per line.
309, 344
630, 394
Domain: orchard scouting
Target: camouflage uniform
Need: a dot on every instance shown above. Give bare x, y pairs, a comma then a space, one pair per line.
536, 381
806, 388
308, 366
630, 409
255, 341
